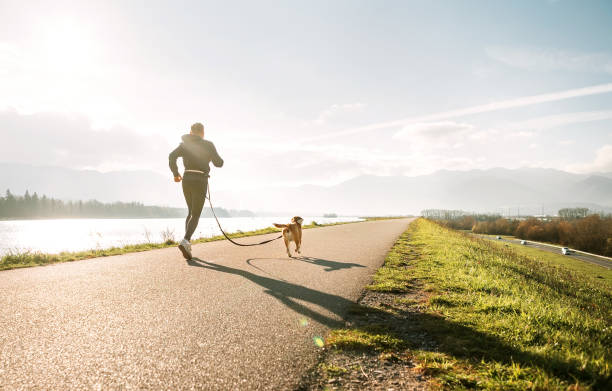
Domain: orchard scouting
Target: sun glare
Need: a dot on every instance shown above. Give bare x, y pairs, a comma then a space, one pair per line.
69, 47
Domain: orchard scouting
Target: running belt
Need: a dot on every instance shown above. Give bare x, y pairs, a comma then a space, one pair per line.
198, 172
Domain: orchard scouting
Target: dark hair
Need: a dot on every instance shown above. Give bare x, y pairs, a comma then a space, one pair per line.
197, 128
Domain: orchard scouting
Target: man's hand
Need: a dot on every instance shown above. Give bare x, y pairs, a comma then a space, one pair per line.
178, 178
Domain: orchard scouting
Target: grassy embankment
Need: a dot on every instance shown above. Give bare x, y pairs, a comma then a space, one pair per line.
29, 259
499, 317
566, 261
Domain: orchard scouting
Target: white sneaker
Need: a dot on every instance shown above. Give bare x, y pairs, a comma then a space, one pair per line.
185, 248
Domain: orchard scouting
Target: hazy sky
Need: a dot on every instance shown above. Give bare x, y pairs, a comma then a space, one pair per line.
308, 92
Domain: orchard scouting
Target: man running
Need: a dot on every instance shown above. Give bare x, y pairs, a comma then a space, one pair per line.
197, 153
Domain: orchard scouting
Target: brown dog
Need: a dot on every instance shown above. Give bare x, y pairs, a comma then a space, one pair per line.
292, 232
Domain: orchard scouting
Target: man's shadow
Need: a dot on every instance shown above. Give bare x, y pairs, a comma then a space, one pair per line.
287, 293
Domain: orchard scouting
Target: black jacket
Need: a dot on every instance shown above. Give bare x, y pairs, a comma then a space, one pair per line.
197, 153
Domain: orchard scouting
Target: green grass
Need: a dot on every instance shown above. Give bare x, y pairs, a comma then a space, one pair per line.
30, 259
392, 277
332, 370
552, 259
501, 318
371, 338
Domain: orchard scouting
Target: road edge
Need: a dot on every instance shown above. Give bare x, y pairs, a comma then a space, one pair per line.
380, 366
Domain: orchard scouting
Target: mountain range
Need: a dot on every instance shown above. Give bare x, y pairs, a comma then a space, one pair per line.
501, 190
504, 191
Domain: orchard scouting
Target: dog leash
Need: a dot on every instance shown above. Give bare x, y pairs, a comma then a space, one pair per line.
226, 235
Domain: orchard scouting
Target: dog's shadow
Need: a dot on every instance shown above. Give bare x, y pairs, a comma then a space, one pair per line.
329, 266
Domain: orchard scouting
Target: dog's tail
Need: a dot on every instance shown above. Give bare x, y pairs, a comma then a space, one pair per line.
280, 225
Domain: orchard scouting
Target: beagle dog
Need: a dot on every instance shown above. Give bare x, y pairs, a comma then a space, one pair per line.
292, 232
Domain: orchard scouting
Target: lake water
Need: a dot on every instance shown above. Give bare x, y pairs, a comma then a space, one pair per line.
52, 236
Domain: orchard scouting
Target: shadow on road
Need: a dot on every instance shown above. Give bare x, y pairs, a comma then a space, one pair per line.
287, 293
329, 266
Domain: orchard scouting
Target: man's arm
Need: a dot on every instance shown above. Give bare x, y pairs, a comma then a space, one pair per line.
216, 159
174, 155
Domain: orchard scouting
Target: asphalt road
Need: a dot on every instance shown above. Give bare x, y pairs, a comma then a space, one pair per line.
235, 318
594, 259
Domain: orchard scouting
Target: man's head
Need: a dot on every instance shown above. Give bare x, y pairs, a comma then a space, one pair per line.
197, 129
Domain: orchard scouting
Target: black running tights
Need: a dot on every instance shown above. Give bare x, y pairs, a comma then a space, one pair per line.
195, 195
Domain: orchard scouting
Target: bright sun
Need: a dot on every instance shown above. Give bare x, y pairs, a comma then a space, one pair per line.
69, 47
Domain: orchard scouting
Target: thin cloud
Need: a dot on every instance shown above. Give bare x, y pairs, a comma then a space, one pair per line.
56, 140
489, 107
436, 135
544, 59
335, 109
601, 163
555, 121
433, 130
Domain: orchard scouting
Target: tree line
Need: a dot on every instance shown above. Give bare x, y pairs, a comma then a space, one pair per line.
33, 206
575, 227
457, 215
592, 233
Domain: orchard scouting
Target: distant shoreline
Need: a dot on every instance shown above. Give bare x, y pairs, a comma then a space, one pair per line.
112, 218
35, 207
34, 258
175, 217
86, 218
